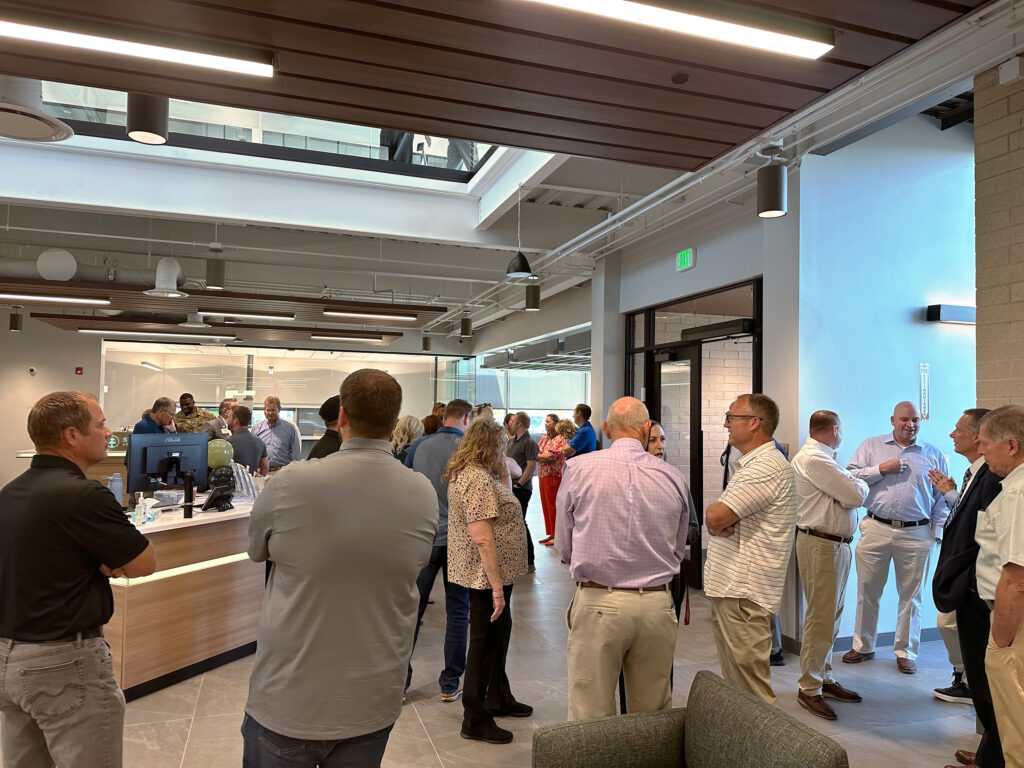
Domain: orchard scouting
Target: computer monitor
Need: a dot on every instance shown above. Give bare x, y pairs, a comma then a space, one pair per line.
168, 460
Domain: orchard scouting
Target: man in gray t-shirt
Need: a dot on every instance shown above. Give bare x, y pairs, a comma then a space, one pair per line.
250, 451
429, 456
347, 535
522, 449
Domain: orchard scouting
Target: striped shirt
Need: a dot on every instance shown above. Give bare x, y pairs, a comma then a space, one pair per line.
827, 495
622, 517
752, 562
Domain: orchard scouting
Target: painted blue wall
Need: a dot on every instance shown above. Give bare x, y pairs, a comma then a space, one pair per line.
887, 228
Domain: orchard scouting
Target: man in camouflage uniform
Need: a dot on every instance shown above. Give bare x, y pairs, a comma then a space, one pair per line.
190, 418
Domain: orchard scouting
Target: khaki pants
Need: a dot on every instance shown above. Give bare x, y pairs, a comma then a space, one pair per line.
1005, 668
824, 567
743, 637
612, 630
946, 623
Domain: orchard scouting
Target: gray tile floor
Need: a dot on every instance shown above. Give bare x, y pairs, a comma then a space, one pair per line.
196, 723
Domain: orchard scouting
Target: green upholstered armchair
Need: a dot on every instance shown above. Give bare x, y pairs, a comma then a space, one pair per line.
721, 727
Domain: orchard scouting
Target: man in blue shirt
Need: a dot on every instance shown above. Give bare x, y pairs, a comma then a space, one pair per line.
429, 456
585, 439
284, 445
157, 420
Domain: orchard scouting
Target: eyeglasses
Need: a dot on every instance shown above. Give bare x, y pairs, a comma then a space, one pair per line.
730, 416
482, 405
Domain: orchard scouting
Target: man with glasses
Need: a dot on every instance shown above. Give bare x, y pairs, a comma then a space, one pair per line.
159, 419
752, 527
905, 516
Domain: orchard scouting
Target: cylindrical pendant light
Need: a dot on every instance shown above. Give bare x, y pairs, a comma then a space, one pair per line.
533, 297
16, 320
147, 118
771, 185
466, 327
215, 275
426, 343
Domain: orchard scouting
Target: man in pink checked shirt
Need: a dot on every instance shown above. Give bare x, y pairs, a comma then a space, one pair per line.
622, 524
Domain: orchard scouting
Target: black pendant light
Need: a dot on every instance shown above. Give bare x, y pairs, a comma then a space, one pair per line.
147, 118
16, 320
519, 266
533, 297
215, 275
426, 343
771, 186
466, 327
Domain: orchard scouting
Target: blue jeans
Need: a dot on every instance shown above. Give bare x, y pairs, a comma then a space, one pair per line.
456, 604
59, 703
263, 748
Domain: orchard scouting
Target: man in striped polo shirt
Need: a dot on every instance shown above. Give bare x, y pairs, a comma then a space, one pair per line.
752, 527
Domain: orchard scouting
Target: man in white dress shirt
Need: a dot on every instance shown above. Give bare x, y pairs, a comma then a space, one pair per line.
827, 500
752, 528
905, 515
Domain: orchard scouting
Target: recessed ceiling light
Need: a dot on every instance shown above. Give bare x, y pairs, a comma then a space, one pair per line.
158, 334
699, 26
138, 50
246, 315
370, 315
54, 299
318, 337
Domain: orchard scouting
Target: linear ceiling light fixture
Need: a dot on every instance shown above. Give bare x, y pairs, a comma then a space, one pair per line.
158, 334
151, 366
324, 337
370, 315
245, 315
54, 299
138, 50
700, 26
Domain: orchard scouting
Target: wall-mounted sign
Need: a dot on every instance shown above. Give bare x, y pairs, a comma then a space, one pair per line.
925, 378
686, 259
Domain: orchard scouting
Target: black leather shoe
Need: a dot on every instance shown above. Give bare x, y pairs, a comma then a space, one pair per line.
515, 709
777, 659
489, 732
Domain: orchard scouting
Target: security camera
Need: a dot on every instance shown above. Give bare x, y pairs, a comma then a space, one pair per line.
32, 370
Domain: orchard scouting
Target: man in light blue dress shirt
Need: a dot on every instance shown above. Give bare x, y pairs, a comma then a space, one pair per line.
281, 436
905, 515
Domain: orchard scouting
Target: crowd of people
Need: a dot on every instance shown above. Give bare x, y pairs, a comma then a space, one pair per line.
354, 540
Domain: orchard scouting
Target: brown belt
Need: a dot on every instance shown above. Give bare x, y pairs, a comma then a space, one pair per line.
823, 535
899, 523
595, 585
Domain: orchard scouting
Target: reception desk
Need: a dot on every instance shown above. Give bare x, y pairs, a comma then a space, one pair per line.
199, 609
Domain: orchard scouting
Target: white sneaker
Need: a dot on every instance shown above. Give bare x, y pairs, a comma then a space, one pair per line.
453, 696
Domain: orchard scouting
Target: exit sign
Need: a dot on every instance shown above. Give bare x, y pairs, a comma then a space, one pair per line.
686, 260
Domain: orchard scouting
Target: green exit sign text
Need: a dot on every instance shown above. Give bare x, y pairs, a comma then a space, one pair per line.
686, 260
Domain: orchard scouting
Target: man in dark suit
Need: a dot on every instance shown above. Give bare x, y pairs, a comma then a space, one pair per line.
954, 587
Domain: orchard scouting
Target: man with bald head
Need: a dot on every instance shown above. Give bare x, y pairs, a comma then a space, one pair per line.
905, 516
622, 523
752, 526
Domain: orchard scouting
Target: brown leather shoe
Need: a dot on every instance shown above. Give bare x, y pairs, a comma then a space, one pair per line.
856, 657
965, 758
906, 666
837, 692
815, 705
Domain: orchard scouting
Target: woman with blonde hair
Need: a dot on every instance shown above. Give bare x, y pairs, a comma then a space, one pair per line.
405, 432
486, 552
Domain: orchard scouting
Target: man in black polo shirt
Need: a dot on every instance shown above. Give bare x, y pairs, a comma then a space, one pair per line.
61, 537
522, 449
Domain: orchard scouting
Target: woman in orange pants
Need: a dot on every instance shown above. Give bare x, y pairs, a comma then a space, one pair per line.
550, 463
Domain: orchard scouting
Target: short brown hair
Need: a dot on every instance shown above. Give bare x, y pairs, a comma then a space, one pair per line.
457, 409
822, 420
523, 418
55, 411
584, 410
765, 409
272, 399
974, 417
243, 414
372, 400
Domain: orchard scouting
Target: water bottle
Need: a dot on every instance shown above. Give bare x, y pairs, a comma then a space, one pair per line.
116, 486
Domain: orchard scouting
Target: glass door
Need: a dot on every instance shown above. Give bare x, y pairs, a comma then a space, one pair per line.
675, 402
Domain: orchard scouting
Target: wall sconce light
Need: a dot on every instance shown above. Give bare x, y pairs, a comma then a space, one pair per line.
771, 185
951, 313
147, 118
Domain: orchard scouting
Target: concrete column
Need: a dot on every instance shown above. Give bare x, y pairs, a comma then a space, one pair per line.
607, 338
999, 238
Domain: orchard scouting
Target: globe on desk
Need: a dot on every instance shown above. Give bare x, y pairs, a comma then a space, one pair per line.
220, 453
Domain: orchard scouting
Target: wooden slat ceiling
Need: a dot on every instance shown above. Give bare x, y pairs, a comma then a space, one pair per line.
509, 72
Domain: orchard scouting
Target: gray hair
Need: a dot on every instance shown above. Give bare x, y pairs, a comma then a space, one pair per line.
163, 404
1005, 423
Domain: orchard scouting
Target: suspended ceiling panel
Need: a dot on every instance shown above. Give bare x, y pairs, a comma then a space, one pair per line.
504, 71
